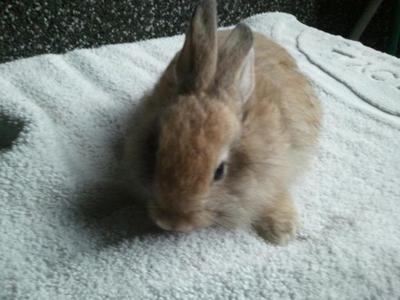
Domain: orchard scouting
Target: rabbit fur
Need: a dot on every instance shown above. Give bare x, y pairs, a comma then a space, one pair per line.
233, 97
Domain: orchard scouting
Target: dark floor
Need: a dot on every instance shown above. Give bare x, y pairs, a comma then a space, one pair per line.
30, 27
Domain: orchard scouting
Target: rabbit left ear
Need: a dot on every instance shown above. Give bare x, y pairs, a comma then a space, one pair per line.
196, 64
236, 62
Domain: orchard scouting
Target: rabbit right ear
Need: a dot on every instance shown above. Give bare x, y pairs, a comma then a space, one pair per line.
236, 62
196, 64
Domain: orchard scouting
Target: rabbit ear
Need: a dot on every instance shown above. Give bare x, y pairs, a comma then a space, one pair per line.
236, 62
197, 61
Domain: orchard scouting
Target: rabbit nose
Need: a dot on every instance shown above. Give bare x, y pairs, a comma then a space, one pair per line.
181, 227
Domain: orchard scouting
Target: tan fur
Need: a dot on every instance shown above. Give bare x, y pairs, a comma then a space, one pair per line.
268, 136
278, 221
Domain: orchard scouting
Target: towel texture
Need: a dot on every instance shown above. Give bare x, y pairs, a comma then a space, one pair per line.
64, 234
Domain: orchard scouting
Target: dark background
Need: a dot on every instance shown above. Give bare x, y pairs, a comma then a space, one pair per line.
29, 27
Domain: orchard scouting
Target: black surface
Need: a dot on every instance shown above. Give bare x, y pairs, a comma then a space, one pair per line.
29, 27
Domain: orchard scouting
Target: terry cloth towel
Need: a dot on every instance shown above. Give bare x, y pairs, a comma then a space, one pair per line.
64, 237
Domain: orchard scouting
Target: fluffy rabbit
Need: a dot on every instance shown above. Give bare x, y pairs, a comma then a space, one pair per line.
224, 133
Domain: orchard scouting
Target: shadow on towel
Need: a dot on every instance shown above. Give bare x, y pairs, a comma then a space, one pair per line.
10, 130
109, 211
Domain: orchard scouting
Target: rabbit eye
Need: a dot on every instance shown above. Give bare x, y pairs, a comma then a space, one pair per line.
220, 172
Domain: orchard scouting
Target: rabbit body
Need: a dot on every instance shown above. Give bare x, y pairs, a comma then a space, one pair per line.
235, 105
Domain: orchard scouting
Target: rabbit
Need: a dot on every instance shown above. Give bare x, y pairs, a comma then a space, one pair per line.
228, 127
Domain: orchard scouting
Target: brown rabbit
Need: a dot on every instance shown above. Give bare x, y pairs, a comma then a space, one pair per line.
224, 133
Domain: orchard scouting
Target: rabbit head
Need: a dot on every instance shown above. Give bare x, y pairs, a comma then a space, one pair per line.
214, 79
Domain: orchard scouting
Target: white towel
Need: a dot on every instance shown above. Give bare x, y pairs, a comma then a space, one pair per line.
63, 237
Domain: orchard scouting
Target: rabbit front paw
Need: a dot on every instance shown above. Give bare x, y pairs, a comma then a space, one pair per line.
278, 232
279, 223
